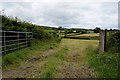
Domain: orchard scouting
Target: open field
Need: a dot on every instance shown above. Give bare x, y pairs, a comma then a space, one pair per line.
79, 35
88, 36
68, 60
83, 35
72, 34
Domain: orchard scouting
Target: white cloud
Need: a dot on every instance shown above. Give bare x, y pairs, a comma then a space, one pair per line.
66, 13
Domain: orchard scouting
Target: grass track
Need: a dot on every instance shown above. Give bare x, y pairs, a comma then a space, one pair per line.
68, 60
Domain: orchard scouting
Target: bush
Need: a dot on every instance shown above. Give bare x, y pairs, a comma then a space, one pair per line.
113, 42
15, 24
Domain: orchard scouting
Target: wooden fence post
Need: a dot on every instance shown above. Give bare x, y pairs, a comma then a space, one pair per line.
105, 40
101, 41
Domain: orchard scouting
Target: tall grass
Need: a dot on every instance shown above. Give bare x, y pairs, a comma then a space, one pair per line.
37, 47
105, 64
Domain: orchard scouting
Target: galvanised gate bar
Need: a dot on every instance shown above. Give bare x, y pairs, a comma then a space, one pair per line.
13, 40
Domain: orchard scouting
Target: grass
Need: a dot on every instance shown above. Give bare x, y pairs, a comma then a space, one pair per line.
51, 67
84, 37
69, 51
15, 58
61, 34
71, 34
88, 36
105, 64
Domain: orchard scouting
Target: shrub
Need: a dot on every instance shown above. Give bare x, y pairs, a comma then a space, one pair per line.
113, 42
15, 24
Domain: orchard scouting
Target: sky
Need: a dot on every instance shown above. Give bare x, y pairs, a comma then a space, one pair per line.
65, 13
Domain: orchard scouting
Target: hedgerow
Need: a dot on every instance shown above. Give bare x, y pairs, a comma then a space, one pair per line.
15, 24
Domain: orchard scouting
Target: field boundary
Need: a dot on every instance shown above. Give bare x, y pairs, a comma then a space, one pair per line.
103, 38
14, 40
84, 37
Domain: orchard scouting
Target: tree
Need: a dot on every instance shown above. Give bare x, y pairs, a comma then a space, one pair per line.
65, 33
97, 29
60, 27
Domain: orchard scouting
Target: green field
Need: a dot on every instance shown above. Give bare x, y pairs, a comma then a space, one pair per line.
88, 36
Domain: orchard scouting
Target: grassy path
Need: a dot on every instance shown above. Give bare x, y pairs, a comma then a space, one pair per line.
76, 65
66, 61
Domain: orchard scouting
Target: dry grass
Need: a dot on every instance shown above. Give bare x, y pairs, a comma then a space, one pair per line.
90, 34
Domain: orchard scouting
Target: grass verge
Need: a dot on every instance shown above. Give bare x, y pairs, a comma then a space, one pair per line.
17, 57
105, 64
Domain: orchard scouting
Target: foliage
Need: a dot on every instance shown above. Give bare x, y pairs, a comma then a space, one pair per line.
15, 24
105, 64
16, 57
114, 42
96, 30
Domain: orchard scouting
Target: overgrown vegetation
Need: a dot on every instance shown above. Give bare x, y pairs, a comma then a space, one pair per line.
43, 39
106, 64
15, 24
113, 42
16, 57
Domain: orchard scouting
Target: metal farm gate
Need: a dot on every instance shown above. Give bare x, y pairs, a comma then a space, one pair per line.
13, 40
